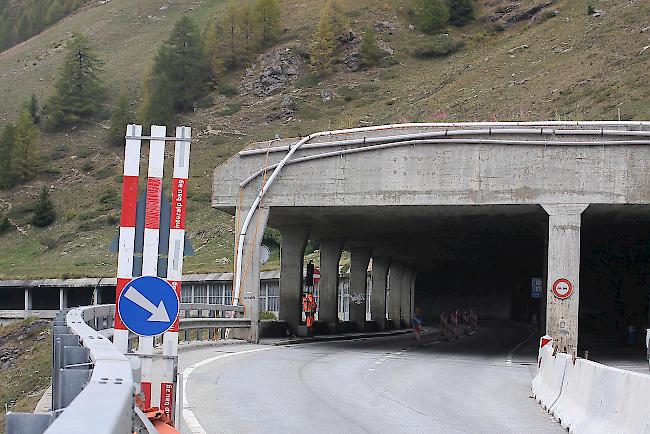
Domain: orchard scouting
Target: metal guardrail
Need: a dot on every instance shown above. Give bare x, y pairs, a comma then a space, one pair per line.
93, 383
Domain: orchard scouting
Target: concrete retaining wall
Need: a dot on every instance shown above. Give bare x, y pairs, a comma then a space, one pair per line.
587, 397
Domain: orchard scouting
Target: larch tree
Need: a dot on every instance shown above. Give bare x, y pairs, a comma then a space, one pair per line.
267, 16
231, 39
324, 40
212, 45
79, 93
8, 177
26, 157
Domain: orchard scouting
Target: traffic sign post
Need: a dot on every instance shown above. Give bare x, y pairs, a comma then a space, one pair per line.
148, 306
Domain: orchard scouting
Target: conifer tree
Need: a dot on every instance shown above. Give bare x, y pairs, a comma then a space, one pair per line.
79, 93
55, 12
181, 59
247, 22
120, 117
32, 108
44, 214
430, 15
8, 176
231, 58
461, 12
212, 45
26, 157
5, 225
324, 41
158, 108
267, 14
369, 48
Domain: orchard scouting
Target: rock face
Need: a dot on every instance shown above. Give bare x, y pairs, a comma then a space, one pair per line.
508, 13
274, 71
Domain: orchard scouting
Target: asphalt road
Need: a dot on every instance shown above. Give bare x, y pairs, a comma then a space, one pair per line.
480, 384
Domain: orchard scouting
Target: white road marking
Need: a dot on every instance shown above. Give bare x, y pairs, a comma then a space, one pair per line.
517, 347
188, 415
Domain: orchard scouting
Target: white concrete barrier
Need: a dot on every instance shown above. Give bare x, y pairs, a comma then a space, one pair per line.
593, 398
551, 376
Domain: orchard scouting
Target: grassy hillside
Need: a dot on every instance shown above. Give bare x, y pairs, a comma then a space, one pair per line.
546, 66
25, 365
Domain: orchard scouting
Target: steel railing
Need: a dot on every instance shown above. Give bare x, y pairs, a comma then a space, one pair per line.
93, 383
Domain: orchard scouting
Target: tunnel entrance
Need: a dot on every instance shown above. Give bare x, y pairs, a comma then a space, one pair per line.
486, 261
614, 275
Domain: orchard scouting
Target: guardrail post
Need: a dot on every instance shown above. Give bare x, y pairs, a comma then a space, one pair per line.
71, 383
28, 423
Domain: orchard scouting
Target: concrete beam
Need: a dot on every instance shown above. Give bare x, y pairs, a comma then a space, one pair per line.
360, 258
380, 265
330, 255
292, 252
563, 263
397, 268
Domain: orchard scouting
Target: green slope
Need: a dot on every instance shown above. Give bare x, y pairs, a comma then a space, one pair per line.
575, 67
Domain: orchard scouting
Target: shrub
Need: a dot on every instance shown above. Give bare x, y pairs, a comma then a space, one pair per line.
430, 15
461, 12
591, 10
226, 89
369, 49
439, 46
307, 80
268, 316
5, 225
204, 103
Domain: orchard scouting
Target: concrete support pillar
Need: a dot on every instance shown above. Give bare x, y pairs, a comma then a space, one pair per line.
330, 255
28, 300
360, 258
380, 266
63, 298
249, 295
292, 251
405, 297
97, 296
412, 305
395, 275
563, 263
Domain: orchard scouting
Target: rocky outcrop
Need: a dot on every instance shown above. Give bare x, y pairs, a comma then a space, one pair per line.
273, 71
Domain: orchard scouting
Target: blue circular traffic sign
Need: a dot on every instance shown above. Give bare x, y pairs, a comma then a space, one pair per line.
148, 306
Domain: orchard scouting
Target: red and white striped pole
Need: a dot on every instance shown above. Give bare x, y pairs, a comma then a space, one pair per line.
175, 259
127, 228
150, 247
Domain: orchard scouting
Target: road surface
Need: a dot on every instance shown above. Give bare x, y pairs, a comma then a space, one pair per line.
480, 384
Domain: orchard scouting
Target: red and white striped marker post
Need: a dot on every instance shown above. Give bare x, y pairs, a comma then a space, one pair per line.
150, 247
175, 259
127, 228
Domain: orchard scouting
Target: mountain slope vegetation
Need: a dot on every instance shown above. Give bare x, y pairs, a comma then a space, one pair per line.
519, 61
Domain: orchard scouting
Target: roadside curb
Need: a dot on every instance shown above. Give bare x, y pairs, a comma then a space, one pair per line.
332, 338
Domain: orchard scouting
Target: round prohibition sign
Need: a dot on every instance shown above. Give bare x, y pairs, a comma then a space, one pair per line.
562, 288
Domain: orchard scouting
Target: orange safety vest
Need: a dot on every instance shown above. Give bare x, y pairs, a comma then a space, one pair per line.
309, 305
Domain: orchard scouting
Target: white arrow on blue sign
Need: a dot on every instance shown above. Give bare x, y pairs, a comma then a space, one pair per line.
148, 306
